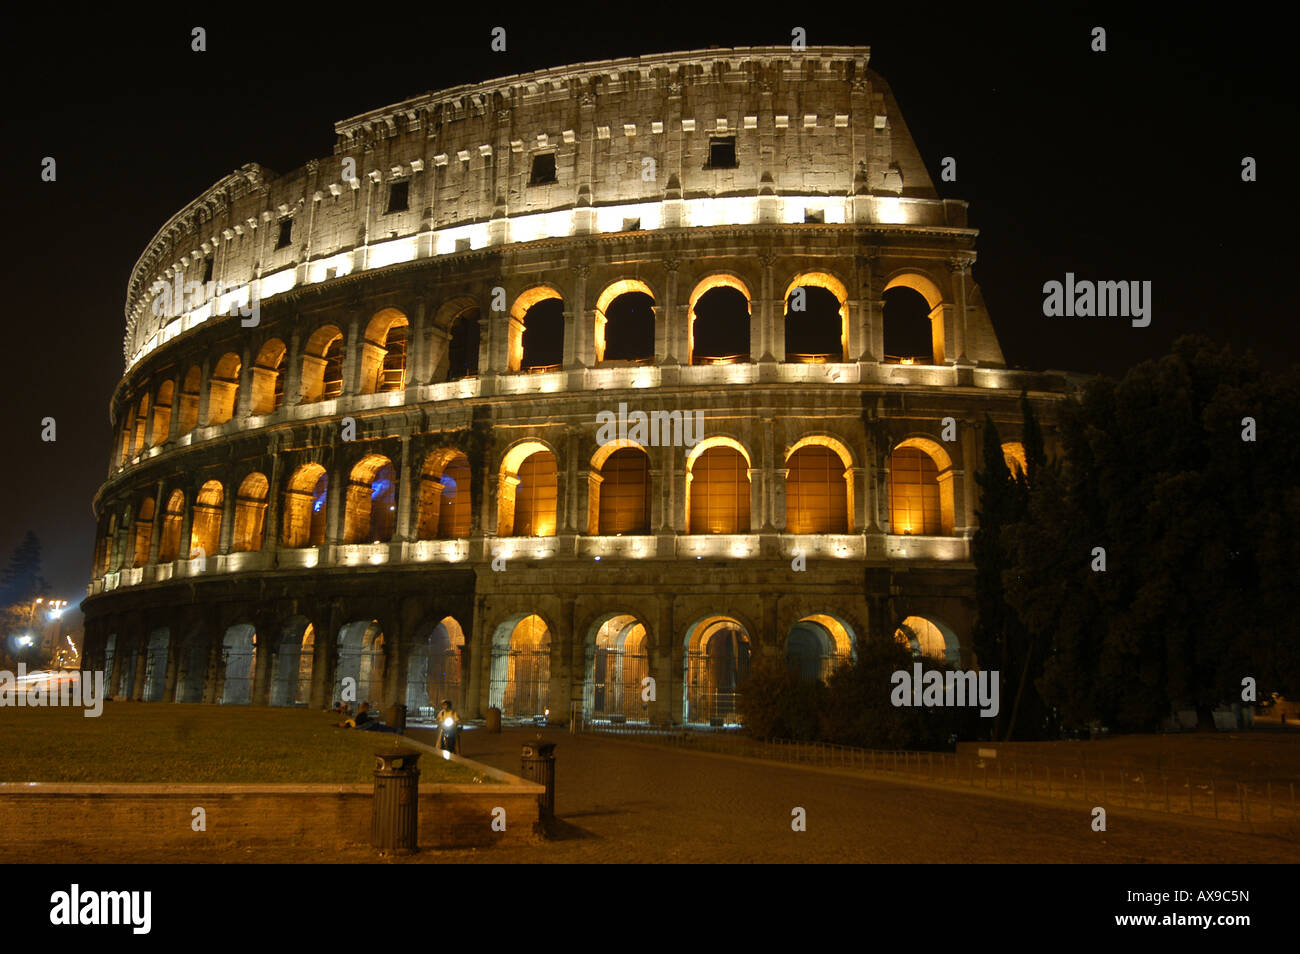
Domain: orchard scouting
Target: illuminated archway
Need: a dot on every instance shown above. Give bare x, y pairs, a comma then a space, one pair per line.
528, 492
189, 402
239, 661
383, 353
370, 514
818, 332
169, 547
305, 507
817, 645
322, 365
143, 531
433, 669
361, 659
205, 522
818, 487
223, 389
520, 679
616, 661
445, 506
921, 499
267, 388
717, 321
535, 341
141, 425
619, 490
898, 312
715, 667
250, 513
162, 412
625, 322
291, 672
718, 487
155, 667
929, 639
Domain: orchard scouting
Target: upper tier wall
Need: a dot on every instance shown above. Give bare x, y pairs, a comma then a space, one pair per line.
632, 132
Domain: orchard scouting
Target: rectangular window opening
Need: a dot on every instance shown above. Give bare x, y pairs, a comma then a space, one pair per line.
286, 233
632, 225
814, 216
722, 152
398, 197
543, 169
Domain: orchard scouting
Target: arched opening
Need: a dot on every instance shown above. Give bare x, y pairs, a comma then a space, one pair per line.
625, 323
620, 491
143, 531
718, 321
191, 668
124, 437
433, 670
239, 660
291, 672
445, 508
920, 489
1013, 453
462, 350
223, 389
370, 514
250, 513
383, 354
162, 412
141, 425
189, 403
616, 666
304, 507
717, 665
155, 667
268, 377
322, 365
717, 489
361, 659
205, 532
929, 639
169, 546
521, 668
542, 341
817, 645
526, 505
817, 490
816, 320
913, 321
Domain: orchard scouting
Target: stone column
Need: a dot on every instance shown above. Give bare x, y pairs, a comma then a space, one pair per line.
187, 526
155, 532
244, 396
959, 268
227, 534
404, 481
352, 357
205, 391
767, 323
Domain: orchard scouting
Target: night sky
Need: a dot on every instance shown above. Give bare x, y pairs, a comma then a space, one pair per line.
1123, 165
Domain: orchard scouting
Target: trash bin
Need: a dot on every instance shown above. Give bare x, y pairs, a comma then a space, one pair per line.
394, 814
538, 765
494, 720
395, 717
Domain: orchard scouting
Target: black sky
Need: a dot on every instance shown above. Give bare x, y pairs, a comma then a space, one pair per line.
1116, 165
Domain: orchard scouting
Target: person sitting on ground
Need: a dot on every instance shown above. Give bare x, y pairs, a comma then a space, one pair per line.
362, 717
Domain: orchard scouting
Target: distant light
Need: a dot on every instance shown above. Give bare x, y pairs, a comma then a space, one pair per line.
598, 559
24, 641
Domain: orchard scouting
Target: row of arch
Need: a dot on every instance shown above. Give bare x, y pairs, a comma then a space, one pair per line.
625, 314
819, 490
715, 665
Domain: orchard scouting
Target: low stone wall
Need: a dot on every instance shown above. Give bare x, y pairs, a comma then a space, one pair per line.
97, 816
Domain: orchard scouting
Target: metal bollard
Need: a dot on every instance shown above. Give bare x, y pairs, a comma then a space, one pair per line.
395, 808
537, 764
494, 720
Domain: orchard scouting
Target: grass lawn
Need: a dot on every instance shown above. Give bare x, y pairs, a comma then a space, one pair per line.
157, 742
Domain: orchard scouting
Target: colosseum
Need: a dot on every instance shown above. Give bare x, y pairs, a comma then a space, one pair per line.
570, 392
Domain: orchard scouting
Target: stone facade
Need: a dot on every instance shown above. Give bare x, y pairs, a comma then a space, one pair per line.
306, 464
